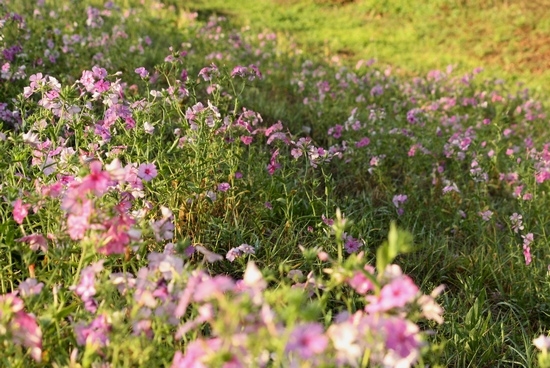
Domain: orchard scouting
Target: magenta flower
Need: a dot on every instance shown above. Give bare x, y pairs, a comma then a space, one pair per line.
307, 340
273, 164
363, 142
20, 211
147, 172
223, 187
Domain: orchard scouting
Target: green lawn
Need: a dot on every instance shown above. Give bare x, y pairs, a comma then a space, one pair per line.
509, 39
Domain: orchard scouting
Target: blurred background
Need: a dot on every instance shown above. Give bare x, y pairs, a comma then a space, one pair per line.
508, 39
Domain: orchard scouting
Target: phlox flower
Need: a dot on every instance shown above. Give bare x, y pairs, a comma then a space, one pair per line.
223, 187
213, 286
142, 72
361, 283
273, 164
21, 325
26, 331
86, 286
527, 254
246, 139
237, 252
117, 234
398, 200
396, 294
196, 354
95, 333
35, 242
307, 340
345, 339
97, 180
30, 287
351, 245
147, 172
148, 127
402, 341
517, 223
210, 256
485, 215
20, 211
78, 223
365, 141
542, 342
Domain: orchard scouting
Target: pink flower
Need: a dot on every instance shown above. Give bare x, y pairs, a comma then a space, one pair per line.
212, 287
147, 172
20, 211
486, 215
223, 187
78, 223
95, 333
246, 139
142, 72
396, 294
30, 287
363, 142
402, 341
307, 340
527, 254
25, 331
351, 244
360, 282
197, 351
35, 242
97, 181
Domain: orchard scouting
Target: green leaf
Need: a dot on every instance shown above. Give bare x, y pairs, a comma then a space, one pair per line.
399, 241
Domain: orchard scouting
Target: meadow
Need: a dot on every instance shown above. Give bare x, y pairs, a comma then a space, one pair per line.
181, 189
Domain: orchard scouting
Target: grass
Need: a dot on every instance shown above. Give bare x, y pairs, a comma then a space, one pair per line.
506, 38
161, 195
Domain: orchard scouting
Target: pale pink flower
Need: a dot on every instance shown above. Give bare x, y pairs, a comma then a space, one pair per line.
486, 215
542, 342
30, 287
147, 172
